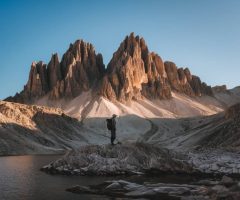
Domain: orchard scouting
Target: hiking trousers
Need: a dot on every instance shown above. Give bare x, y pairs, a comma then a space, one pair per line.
113, 135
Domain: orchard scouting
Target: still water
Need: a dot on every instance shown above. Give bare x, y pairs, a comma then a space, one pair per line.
21, 179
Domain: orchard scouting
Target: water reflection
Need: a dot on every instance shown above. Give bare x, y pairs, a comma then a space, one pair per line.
20, 179
15, 176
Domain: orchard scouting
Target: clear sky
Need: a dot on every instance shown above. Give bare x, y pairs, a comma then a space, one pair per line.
203, 35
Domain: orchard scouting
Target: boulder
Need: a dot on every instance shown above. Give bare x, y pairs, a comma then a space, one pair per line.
227, 181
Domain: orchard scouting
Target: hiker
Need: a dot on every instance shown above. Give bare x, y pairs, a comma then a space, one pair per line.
111, 125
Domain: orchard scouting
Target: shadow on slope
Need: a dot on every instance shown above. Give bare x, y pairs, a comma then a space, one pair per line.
52, 134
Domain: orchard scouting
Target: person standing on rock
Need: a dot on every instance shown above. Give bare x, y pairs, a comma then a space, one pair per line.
111, 125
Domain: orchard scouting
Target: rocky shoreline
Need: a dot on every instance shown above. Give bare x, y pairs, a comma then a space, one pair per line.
141, 158
225, 189
145, 160
126, 159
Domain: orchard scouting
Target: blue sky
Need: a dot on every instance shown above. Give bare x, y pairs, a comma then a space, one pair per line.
202, 35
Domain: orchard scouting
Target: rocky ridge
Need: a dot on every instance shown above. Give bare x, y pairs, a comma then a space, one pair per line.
226, 134
27, 129
220, 88
78, 70
133, 72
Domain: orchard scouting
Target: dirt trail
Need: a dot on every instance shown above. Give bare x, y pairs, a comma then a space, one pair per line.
146, 136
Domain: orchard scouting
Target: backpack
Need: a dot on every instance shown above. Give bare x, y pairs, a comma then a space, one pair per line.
109, 124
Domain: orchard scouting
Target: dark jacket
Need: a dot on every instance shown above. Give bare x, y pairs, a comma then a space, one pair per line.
113, 123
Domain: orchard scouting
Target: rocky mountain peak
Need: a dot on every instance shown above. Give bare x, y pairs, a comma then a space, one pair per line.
133, 73
37, 84
79, 69
126, 71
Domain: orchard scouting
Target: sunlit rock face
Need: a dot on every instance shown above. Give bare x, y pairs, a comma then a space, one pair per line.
54, 71
80, 68
36, 86
133, 73
78, 71
181, 80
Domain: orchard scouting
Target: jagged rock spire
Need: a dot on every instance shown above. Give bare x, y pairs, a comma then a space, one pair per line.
78, 71
133, 73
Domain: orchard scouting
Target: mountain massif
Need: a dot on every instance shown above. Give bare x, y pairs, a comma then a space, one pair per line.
155, 101
133, 73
